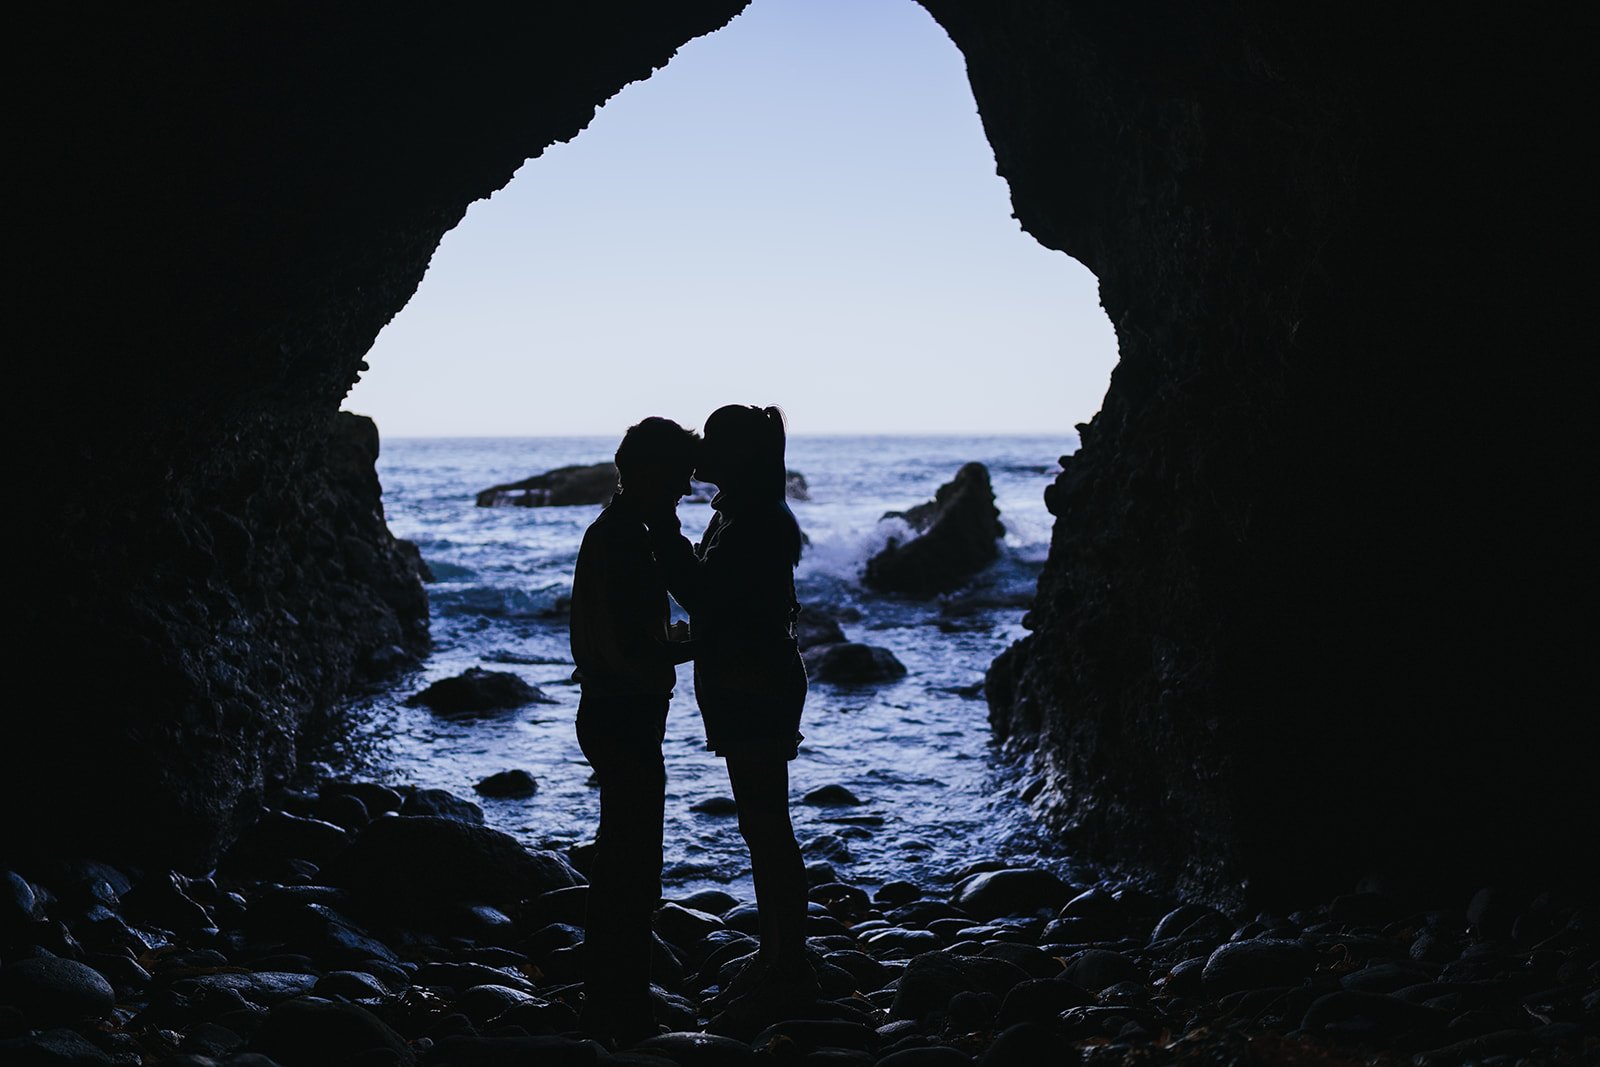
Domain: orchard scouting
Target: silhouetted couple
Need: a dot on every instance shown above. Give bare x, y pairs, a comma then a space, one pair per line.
738, 587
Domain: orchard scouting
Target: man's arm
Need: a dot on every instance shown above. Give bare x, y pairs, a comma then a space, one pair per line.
676, 557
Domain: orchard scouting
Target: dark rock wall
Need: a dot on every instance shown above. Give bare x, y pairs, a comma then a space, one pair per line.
220, 209
1316, 593
1318, 590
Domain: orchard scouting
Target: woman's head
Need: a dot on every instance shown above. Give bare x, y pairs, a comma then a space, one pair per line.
743, 450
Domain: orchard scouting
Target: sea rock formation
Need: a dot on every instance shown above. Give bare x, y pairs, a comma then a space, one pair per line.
1321, 579
958, 534
591, 484
852, 663
476, 691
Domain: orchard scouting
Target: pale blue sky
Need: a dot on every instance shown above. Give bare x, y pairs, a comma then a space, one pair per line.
799, 209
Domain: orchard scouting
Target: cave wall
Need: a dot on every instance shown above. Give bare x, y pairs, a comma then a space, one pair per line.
1318, 586
220, 209
1315, 596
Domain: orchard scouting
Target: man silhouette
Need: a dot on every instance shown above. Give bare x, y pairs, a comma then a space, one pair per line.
626, 658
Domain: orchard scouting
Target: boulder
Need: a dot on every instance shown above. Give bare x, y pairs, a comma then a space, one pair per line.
441, 803
958, 534
478, 692
51, 991
1097, 968
1257, 963
1013, 891
830, 796
312, 1033
816, 627
405, 861
578, 484
852, 663
512, 783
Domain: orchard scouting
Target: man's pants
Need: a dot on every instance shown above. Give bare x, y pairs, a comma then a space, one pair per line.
621, 738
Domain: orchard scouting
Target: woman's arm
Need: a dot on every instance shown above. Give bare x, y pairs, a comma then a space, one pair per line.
688, 576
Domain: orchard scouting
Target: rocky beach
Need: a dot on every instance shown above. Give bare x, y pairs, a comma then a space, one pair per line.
364, 924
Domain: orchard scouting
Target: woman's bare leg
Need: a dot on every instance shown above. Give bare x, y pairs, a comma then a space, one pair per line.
761, 789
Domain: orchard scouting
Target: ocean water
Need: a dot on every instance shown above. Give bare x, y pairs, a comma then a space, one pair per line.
918, 752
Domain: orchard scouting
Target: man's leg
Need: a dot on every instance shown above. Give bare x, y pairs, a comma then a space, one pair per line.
622, 741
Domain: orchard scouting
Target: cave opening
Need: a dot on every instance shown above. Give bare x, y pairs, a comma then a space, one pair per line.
801, 209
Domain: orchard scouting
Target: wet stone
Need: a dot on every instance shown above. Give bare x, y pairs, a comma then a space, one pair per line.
376, 799
349, 985
690, 1049
710, 901
481, 1003
1036, 962
1026, 1045
1369, 1015
894, 894
826, 847
1015, 891
1040, 1000
265, 988
830, 796
935, 1056
51, 991
441, 803
478, 692
852, 663
812, 1034
820, 872
1187, 917
512, 783
308, 1032
60, 1046
1384, 977
715, 806
1257, 964
344, 810
685, 926
898, 939
927, 985
1095, 969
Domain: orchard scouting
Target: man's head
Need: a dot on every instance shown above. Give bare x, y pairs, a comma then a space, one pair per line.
654, 461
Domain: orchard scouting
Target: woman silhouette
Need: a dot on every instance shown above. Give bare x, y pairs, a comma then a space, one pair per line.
738, 586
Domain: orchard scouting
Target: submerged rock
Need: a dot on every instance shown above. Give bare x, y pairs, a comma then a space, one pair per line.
476, 692
512, 783
852, 663
832, 795
816, 627
958, 535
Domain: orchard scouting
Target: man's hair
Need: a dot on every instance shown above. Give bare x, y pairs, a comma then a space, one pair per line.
660, 442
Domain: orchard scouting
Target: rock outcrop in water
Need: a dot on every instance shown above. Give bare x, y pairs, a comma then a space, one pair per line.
592, 484
1320, 584
958, 534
